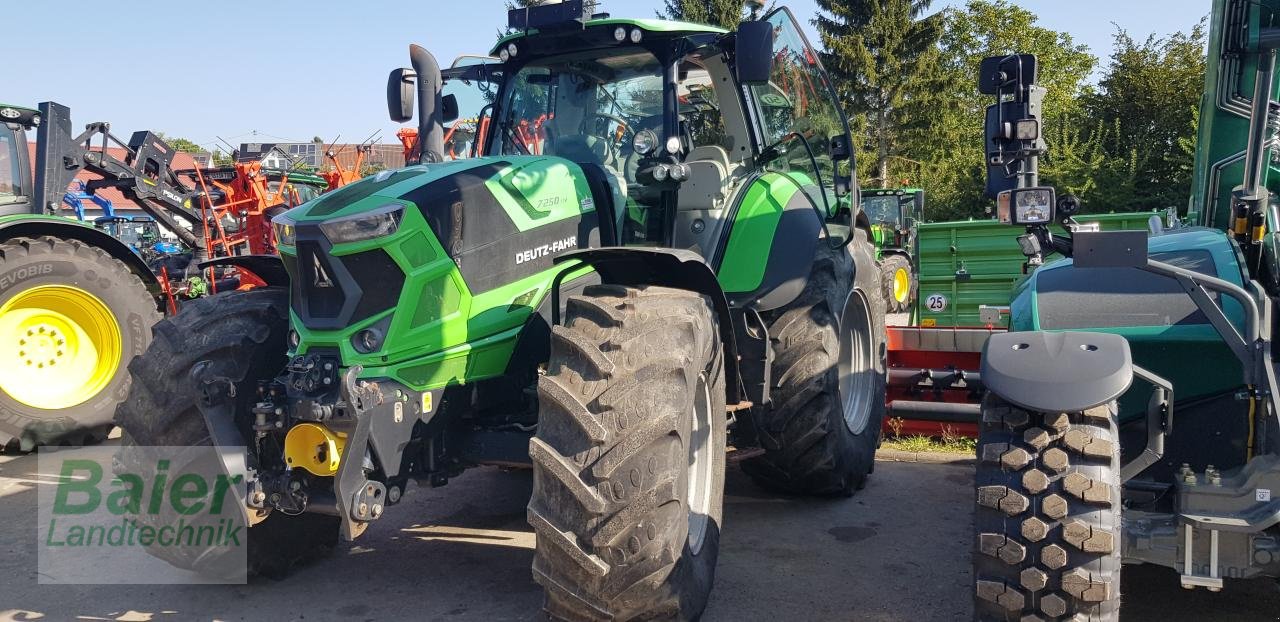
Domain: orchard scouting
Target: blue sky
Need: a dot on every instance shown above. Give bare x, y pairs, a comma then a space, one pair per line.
318, 68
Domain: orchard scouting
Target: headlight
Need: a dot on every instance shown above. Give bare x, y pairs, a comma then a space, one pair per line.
645, 142
286, 231
381, 222
1026, 129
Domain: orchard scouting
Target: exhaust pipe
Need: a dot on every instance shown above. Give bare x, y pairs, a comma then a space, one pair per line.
430, 118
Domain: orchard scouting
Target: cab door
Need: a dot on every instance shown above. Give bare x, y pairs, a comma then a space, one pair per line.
472, 83
798, 113
781, 214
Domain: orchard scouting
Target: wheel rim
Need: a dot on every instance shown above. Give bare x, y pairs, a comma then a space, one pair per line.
59, 346
901, 284
855, 368
700, 461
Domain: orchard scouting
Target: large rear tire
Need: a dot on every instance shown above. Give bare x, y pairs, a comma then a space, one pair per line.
1047, 514
629, 457
242, 335
821, 432
71, 317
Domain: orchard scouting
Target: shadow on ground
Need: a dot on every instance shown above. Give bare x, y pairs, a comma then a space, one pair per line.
899, 550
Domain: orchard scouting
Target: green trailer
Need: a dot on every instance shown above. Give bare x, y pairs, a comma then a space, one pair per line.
970, 265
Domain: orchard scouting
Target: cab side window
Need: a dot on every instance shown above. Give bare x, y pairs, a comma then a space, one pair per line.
700, 109
798, 100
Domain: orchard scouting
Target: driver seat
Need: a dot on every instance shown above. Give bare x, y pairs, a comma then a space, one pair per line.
709, 176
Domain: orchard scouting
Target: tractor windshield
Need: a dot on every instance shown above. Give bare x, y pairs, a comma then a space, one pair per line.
10, 186
583, 107
883, 209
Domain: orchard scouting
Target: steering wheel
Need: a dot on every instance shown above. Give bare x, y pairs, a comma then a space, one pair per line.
627, 130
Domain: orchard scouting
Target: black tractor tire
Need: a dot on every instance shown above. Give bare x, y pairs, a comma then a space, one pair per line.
629, 457
242, 335
29, 263
1047, 514
828, 379
890, 266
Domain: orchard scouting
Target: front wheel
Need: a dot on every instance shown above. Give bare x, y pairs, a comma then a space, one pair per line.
242, 337
629, 457
1047, 514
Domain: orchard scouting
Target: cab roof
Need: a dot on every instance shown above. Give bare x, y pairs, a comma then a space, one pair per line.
648, 25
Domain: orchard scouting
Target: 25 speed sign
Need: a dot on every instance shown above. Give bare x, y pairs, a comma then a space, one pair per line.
936, 303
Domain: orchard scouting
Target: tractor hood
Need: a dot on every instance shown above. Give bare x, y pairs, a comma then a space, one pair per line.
1166, 332
431, 257
515, 180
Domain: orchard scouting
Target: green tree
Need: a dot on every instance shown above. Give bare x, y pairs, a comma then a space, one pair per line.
955, 174
883, 56
722, 13
222, 159
181, 144
1150, 92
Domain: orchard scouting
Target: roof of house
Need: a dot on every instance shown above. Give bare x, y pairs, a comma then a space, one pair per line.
181, 160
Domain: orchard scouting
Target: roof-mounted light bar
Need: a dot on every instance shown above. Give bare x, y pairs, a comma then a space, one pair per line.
551, 16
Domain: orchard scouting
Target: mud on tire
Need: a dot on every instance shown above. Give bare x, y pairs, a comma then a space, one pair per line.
26, 263
627, 516
242, 335
810, 445
1047, 514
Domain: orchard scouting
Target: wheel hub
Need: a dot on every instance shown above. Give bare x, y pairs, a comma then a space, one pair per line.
61, 346
901, 285
856, 367
700, 463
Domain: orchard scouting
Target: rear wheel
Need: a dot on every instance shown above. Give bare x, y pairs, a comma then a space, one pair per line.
242, 336
899, 283
1047, 514
821, 432
71, 317
629, 457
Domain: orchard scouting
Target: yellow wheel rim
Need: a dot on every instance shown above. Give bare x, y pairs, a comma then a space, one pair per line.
901, 284
59, 346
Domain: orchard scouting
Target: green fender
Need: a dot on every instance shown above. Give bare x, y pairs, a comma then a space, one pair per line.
769, 251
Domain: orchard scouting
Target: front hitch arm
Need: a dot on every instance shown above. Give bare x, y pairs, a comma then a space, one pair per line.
358, 499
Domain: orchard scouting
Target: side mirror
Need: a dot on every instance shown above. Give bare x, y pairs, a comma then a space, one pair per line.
449, 108
400, 94
839, 147
753, 52
997, 74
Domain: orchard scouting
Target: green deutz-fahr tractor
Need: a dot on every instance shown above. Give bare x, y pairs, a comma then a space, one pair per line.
1087, 460
893, 214
487, 312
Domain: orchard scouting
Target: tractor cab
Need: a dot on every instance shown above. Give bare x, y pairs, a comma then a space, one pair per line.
655, 115
893, 213
655, 112
15, 170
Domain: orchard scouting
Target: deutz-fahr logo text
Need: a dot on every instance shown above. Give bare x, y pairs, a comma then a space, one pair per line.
547, 249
